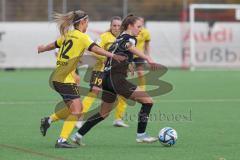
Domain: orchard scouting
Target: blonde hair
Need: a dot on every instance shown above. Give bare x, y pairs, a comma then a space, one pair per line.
65, 21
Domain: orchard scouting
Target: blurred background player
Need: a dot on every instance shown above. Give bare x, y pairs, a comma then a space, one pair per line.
105, 41
143, 40
115, 82
143, 44
72, 45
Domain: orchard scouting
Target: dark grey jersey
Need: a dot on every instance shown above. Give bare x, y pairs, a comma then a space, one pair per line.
120, 47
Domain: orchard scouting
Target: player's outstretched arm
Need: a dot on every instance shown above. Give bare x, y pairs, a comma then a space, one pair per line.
103, 52
48, 47
139, 53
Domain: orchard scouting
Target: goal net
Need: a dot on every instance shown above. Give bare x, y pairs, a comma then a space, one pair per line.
214, 36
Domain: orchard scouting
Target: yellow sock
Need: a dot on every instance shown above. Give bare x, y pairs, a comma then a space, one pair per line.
142, 82
60, 114
88, 101
68, 126
120, 108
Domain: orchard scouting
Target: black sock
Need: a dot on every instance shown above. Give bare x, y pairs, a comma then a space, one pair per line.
143, 117
91, 122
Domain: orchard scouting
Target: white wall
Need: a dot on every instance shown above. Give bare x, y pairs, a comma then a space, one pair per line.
19, 41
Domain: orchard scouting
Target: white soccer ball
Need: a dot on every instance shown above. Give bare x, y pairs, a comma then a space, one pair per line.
167, 136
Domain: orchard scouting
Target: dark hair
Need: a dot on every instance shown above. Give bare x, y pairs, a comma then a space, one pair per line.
129, 20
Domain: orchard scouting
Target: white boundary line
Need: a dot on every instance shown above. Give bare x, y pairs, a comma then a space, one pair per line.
199, 100
26, 102
160, 101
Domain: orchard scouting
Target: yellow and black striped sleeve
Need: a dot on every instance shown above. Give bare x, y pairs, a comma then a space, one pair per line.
59, 42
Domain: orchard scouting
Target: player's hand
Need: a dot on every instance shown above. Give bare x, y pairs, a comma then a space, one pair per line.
77, 79
153, 65
131, 69
119, 58
41, 48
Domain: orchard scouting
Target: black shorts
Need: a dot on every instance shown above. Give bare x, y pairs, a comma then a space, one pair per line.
96, 79
68, 91
114, 85
138, 61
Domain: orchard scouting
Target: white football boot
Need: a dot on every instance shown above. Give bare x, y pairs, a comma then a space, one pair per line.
145, 138
77, 139
120, 123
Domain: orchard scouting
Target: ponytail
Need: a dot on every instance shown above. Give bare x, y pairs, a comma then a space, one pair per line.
65, 21
129, 20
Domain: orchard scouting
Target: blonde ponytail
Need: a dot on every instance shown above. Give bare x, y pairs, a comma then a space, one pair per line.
66, 21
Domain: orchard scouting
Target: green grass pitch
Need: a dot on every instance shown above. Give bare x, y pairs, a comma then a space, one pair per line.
203, 107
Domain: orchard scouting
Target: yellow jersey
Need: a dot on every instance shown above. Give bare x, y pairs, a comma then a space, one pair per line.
105, 41
143, 36
72, 47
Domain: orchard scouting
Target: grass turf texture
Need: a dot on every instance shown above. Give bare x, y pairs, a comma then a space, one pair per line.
203, 107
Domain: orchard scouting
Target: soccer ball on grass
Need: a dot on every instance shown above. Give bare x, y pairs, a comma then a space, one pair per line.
167, 136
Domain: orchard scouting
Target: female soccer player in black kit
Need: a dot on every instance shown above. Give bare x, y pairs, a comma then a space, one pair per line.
115, 83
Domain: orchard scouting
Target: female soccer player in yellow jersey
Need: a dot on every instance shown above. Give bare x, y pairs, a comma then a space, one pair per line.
72, 44
105, 41
115, 82
143, 45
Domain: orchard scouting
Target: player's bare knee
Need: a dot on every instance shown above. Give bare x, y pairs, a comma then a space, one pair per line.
140, 73
77, 113
149, 100
96, 90
145, 100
